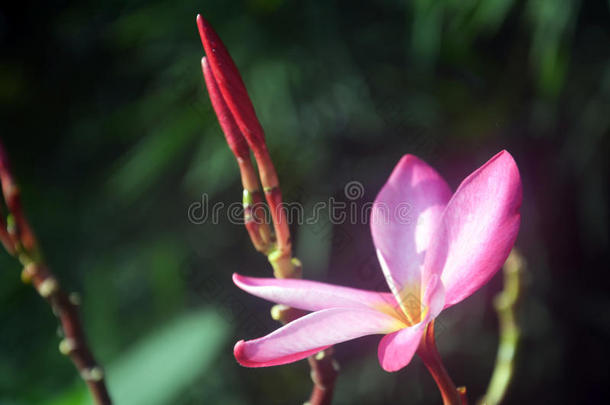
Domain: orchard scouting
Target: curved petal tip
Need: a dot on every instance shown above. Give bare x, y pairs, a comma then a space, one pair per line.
238, 352
242, 281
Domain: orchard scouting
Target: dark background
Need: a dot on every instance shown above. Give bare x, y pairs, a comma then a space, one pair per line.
112, 138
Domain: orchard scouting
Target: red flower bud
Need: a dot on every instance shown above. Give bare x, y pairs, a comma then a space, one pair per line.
235, 139
231, 86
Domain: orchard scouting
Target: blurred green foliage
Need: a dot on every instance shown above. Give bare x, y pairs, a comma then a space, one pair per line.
112, 138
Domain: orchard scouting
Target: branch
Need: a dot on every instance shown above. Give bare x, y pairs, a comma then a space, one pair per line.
19, 241
324, 368
74, 343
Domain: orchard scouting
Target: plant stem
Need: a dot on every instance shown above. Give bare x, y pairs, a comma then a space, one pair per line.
74, 343
324, 372
324, 368
462, 393
20, 242
505, 303
429, 354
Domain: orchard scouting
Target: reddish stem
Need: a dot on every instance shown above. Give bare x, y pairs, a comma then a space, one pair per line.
22, 244
74, 343
428, 352
22, 232
462, 393
324, 369
324, 372
280, 221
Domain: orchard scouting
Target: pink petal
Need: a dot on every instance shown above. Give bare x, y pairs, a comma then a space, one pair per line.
434, 296
397, 349
478, 228
314, 296
312, 333
406, 212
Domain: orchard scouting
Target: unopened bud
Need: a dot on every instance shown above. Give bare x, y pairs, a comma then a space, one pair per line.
67, 346
28, 272
75, 299
93, 374
48, 287
278, 310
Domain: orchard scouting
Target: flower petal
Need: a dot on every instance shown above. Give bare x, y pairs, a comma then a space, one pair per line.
434, 296
397, 349
313, 332
314, 296
406, 212
478, 228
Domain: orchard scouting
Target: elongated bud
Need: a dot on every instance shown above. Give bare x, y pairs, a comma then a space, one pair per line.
259, 232
235, 139
227, 88
231, 86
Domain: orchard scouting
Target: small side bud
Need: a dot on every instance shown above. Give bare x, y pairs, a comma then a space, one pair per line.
297, 265
75, 299
277, 311
28, 273
320, 356
67, 346
93, 374
11, 225
283, 265
48, 287
284, 314
248, 199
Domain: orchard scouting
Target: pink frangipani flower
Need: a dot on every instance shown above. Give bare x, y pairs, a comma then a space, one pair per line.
447, 248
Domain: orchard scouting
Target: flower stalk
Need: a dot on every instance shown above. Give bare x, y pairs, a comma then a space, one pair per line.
428, 352
20, 242
324, 372
244, 133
